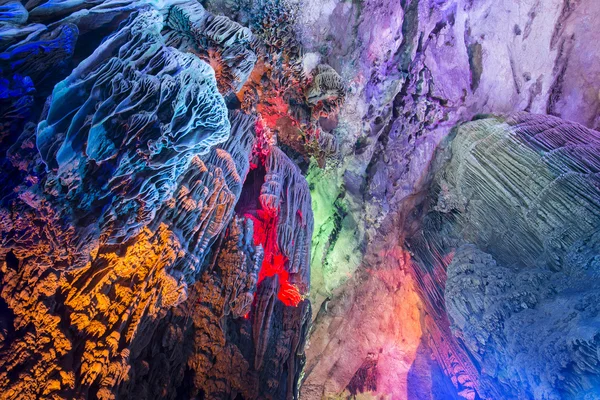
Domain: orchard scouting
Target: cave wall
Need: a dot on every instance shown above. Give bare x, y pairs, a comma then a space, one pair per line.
269, 199
415, 70
154, 238
511, 222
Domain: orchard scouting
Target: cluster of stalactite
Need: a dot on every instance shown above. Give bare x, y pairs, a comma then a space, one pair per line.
289, 100
154, 243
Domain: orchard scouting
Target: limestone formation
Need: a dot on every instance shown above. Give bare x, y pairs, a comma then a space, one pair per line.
222, 42
414, 70
183, 181
123, 255
327, 89
514, 219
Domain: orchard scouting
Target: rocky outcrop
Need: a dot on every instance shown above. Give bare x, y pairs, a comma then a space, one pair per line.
159, 239
225, 44
326, 91
140, 112
515, 206
414, 70
127, 267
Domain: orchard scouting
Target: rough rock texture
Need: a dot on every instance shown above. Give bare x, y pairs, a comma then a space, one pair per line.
518, 203
132, 264
161, 161
415, 69
225, 43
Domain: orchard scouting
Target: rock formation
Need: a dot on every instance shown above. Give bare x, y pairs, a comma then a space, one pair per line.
518, 205
183, 182
133, 257
414, 70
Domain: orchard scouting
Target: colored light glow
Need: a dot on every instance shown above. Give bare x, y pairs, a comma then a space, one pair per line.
265, 234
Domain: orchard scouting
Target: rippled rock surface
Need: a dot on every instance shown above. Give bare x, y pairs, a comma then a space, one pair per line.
316, 199
513, 217
153, 244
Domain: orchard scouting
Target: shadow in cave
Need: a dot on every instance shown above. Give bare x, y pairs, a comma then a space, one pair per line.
7, 315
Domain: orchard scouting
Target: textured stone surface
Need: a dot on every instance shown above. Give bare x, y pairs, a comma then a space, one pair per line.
415, 69
132, 265
520, 199
182, 181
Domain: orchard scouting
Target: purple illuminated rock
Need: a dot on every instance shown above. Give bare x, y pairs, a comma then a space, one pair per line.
514, 204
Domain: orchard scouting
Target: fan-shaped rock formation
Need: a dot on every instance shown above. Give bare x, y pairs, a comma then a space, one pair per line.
119, 231
513, 217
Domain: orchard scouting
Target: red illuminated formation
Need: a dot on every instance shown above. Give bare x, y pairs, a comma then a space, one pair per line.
264, 141
266, 222
265, 234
